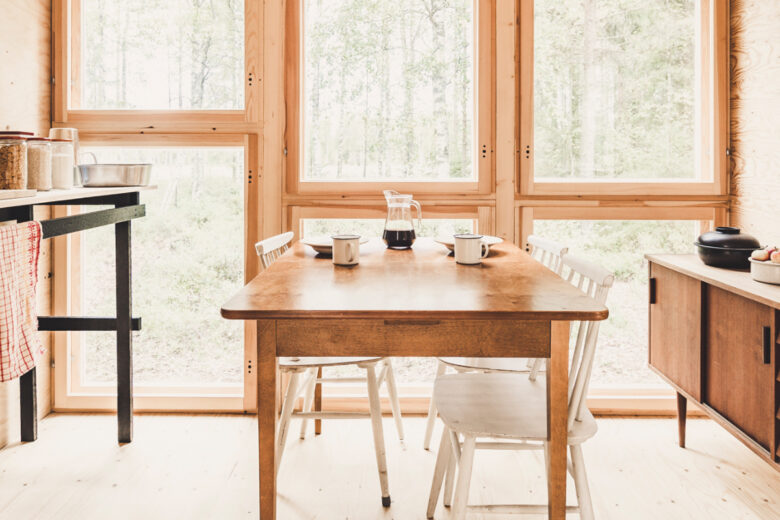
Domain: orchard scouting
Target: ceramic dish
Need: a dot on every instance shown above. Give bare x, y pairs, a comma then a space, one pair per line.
449, 241
767, 272
324, 245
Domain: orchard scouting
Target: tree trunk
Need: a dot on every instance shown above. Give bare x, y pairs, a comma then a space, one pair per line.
408, 50
439, 154
590, 85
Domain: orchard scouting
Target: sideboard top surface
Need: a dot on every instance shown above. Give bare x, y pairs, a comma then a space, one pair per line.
736, 281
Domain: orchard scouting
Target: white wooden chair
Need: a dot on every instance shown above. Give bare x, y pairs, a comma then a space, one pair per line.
510, 410
304, 378
547, 252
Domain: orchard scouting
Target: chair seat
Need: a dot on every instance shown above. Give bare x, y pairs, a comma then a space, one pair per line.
491, 364
501, 405
309, 362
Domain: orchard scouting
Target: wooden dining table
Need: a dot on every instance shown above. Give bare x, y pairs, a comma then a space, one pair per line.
415, 302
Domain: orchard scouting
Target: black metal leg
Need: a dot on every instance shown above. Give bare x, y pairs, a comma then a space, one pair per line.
28, 396
28, 406
124, 338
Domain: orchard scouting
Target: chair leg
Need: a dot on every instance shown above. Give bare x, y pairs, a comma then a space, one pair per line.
284, 420
308, 398
442, 463
395, 404
464, 478
581, 483
318, 403
379, 438
535, 369
432, 411
452, 467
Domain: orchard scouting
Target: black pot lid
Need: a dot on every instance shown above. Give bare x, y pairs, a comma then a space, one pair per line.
728, 238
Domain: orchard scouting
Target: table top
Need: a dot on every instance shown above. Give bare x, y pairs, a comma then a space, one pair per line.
44, 197
737, 281
420, 283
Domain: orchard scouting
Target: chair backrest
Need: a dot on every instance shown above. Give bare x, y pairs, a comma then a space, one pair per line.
548, 252
272, 248
595, 281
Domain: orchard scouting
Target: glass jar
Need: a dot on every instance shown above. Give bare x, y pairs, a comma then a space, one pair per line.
62, 164
13, 162
39, 163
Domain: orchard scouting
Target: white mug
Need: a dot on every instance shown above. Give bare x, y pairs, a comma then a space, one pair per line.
470, 249
346, 249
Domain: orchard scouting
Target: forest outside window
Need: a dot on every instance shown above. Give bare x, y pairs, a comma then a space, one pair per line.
625, 91
389, 92
160, 55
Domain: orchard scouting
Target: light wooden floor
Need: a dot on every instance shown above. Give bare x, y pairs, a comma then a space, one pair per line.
197, 467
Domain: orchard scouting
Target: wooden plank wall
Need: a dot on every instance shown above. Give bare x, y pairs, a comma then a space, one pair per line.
755, 118
25, 104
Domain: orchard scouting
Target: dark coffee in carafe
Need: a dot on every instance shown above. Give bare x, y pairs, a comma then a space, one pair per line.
399, 239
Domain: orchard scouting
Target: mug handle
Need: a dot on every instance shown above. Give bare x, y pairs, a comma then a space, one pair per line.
351, 249
485, 249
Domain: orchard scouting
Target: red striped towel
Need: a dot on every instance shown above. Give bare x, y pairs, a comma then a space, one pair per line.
20, 346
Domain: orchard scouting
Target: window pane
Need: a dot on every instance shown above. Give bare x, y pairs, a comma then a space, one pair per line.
187, 260
620, 246
407, 370
615, 89
388, 90
162, 54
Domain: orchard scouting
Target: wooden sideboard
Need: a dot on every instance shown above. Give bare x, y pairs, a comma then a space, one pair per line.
715, 337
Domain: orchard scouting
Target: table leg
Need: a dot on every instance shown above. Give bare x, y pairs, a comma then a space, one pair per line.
267, 415
557, 399
124, 333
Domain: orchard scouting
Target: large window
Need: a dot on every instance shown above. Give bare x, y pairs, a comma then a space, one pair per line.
390, 92
188, 258
615, 89
628, 97
161, 54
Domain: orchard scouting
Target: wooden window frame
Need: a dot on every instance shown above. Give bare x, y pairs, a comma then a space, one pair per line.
484, 120
712, 118
69, 392
482, 215
67, 62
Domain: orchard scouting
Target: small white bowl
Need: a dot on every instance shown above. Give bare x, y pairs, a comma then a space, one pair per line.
767, 272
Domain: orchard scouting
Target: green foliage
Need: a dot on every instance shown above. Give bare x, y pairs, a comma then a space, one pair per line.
187, 260
387, 89
163, 54
617, 100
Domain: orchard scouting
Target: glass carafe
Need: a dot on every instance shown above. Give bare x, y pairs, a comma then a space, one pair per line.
399, 226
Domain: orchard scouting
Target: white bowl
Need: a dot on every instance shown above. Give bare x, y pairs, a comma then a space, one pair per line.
767, 272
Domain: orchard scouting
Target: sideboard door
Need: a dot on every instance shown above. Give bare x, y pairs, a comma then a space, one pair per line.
675, 328
739, 382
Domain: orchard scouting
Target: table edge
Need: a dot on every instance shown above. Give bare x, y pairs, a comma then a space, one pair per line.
234, 314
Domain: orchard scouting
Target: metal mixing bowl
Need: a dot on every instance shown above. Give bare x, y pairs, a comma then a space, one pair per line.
104, 175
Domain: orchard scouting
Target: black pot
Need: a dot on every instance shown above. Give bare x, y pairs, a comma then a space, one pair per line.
726, 247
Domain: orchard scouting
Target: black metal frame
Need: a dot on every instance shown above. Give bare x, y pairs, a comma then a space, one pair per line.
126, 208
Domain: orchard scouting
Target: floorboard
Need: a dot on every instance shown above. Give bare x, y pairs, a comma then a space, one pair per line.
197, 467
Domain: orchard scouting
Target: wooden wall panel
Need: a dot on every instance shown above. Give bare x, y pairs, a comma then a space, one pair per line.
25, 104
755, 118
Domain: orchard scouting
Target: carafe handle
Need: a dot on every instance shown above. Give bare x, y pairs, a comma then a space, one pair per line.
419, 214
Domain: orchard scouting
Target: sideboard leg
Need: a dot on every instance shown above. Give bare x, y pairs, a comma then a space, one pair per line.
682, 414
